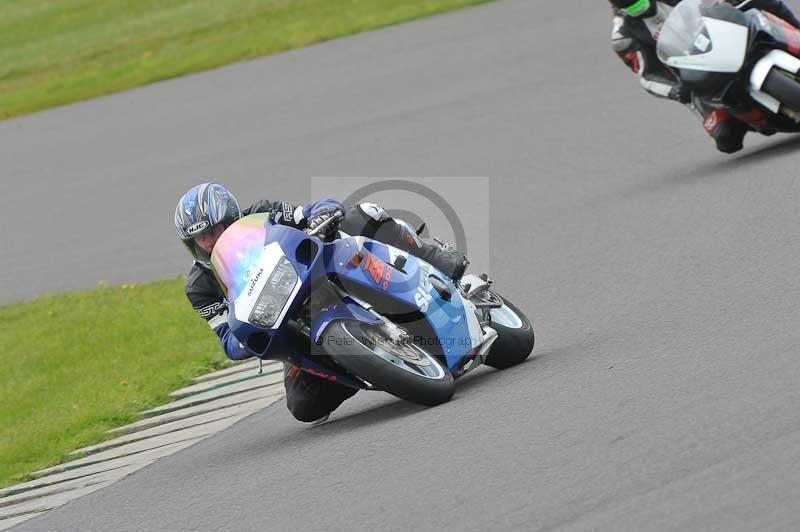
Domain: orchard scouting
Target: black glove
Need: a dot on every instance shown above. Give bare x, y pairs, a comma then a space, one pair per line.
322, 215
680, 93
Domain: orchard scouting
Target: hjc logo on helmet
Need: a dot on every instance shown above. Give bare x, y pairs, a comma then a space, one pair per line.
196, 228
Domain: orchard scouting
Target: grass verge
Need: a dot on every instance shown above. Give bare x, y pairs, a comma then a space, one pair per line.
78, 364
54, 52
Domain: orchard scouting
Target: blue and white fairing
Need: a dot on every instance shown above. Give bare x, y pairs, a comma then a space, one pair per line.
268, 272
362, 264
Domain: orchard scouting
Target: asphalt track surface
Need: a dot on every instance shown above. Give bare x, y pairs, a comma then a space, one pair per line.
662, 278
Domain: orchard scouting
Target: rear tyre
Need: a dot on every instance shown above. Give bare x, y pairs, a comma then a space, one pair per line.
515, 336
780, 86
404, 370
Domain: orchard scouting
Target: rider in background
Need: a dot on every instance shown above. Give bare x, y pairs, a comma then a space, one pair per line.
205, 212
636, 26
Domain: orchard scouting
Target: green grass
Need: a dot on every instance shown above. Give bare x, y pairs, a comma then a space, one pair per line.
57, 51
78, 364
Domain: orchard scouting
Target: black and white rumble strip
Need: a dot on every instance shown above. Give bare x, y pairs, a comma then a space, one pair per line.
214, 402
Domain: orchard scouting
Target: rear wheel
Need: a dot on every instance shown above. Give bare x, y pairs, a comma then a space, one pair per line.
398, 367
782, 86
515, 336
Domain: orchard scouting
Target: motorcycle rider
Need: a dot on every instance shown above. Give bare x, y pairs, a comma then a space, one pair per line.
206, 210
636, 26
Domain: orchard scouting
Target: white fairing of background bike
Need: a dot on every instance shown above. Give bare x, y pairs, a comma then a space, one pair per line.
775, 58
728, 43
259, 275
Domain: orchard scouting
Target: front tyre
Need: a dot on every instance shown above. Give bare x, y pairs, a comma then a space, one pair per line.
515, 337
782, 86
402, 369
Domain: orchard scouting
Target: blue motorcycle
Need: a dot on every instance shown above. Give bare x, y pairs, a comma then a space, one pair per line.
362, 313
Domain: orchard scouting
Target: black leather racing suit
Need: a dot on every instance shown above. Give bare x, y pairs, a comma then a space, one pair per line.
634, 41
308, 397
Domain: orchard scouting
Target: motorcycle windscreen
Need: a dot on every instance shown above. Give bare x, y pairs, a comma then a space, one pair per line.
258, 279
237, 252
690, 41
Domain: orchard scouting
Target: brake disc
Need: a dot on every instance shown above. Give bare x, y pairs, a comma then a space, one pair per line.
401, 349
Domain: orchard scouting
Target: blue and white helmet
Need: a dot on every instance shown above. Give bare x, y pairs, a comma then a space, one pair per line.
202, 208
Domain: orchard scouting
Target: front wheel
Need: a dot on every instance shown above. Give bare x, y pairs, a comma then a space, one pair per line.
400, 368
515, 337
782, 86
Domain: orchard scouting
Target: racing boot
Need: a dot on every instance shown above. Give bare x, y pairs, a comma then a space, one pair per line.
451, 263
372, 221
726, 131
